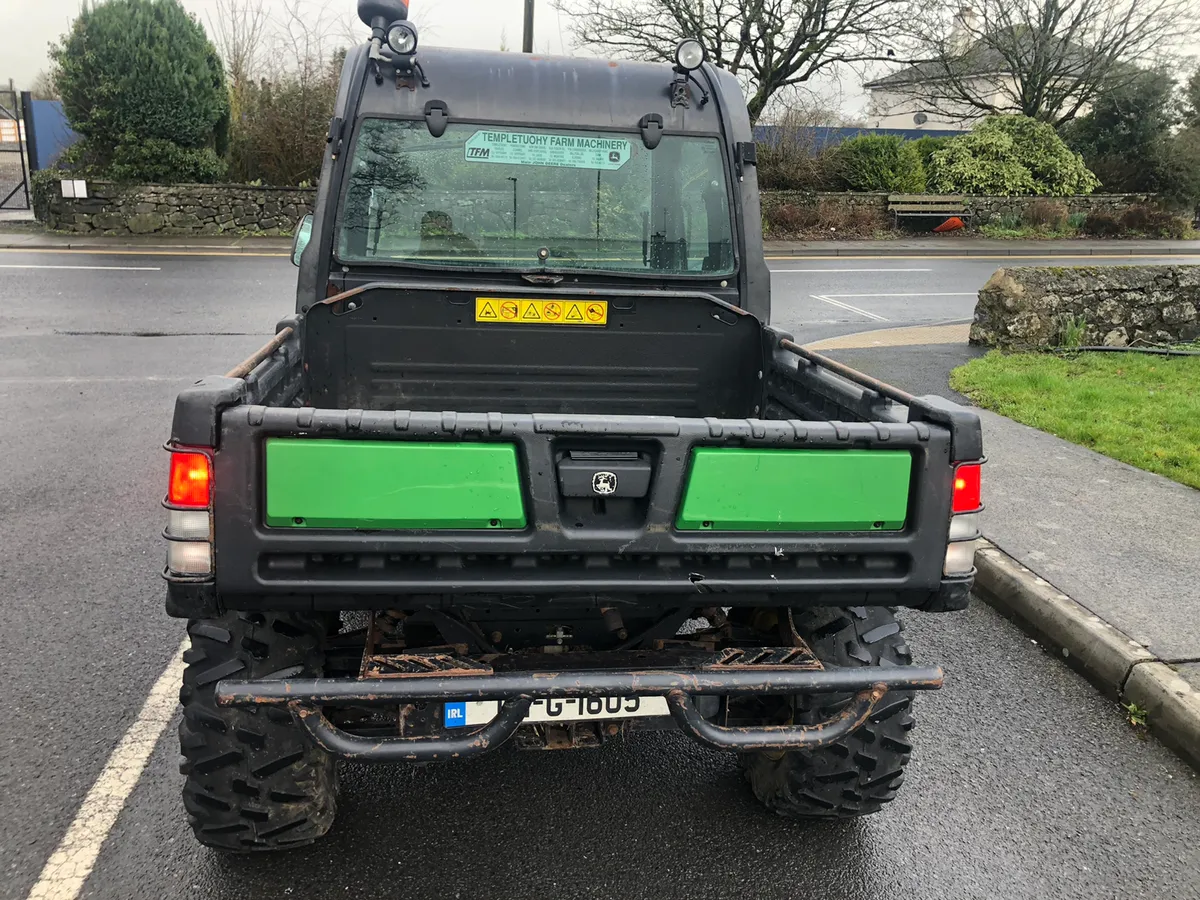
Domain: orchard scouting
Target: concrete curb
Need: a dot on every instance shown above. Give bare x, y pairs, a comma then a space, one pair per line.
1172, 707
1118, 665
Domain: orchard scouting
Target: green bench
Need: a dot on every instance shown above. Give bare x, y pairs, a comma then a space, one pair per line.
912, 206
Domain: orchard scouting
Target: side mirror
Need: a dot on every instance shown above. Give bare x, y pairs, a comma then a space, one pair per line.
303, 236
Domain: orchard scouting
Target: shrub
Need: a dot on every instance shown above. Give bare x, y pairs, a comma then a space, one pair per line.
1048, 214
788, 218
1010, 155
926, 146
1102, 224
866, 221
1153, 222
1129, 139
828, 218
880, 162
156, 161
792, 163
133, 71
1177, 169
278, 135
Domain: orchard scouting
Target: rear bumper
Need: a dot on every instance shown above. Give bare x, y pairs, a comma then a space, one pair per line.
190, 598
308, 700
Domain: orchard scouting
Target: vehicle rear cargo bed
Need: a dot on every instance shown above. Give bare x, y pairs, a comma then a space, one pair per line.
564, 550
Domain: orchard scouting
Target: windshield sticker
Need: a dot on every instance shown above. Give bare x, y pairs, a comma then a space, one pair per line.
562, 150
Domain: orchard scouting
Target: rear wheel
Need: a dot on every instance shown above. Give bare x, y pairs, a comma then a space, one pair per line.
254, 780
858, 774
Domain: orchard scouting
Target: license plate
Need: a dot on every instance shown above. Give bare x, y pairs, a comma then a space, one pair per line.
567, 709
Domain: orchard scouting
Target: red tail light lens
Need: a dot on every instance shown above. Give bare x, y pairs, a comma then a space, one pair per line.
191, 480
967, 489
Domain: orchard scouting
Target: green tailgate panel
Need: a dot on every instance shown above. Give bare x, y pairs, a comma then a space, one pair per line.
392, 484
796, 490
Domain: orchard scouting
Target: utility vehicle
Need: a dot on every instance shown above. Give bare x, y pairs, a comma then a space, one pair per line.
529, 465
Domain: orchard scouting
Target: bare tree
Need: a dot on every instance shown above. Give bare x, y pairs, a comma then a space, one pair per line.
239, 29
1048, 59
44, 86
770, 45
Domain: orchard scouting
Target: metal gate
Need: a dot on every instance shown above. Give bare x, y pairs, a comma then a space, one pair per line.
14, 174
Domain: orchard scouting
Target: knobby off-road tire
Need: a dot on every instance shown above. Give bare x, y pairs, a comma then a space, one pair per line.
864, 770
254, 779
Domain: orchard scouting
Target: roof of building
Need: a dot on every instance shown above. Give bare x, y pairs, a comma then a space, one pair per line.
990, 55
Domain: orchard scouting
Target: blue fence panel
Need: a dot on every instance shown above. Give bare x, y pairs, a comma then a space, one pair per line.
820, 137
51, 133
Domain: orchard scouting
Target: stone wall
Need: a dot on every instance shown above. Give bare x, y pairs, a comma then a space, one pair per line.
1027, 308
847, 199
982, 209
113, 209
218, 208
985, 209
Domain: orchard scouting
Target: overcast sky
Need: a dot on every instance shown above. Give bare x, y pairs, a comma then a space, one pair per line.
27, 26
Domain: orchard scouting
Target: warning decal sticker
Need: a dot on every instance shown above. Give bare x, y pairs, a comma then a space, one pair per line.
566, 151
541, 312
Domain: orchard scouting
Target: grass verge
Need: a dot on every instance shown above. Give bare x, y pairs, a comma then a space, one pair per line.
1143, 410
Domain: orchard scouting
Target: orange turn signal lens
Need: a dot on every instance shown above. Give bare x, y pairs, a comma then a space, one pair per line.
191, 480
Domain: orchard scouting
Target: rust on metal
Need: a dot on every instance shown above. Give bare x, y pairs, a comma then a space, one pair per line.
416, 665
345, 295
774, 737
385, 654
244, 368
766, 659
880, 387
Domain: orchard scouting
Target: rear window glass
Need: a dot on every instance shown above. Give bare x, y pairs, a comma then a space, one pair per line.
529, 198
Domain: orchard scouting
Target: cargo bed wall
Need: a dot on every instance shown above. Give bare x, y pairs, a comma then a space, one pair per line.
432, 350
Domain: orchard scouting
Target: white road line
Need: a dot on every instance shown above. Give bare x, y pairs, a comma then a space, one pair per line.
84, 379
922, 294
848, 307
821, 271
88, 268
71, 863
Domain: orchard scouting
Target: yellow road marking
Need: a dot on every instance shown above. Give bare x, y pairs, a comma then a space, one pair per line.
909, 336
71, 863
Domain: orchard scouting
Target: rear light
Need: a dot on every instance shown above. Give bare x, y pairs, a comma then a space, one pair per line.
964, 527
967, 488
965, 504
189, 522
190, 481
189, 557
960, 558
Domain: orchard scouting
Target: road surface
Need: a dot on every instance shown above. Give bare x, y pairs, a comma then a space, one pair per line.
1025, 784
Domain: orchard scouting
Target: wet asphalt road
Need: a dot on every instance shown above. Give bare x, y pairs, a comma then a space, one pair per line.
1026, 783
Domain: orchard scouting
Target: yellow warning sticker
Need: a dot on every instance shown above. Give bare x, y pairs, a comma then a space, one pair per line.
541, 312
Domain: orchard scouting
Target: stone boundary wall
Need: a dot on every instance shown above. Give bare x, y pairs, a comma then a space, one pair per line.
1027, 308
982, 209
112, 209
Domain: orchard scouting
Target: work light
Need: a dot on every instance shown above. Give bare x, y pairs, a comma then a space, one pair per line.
689, 55
402, 38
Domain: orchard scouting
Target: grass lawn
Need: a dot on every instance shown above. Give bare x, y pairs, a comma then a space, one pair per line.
1143, 410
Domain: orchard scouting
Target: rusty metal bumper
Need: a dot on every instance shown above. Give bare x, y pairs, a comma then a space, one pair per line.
307, 698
